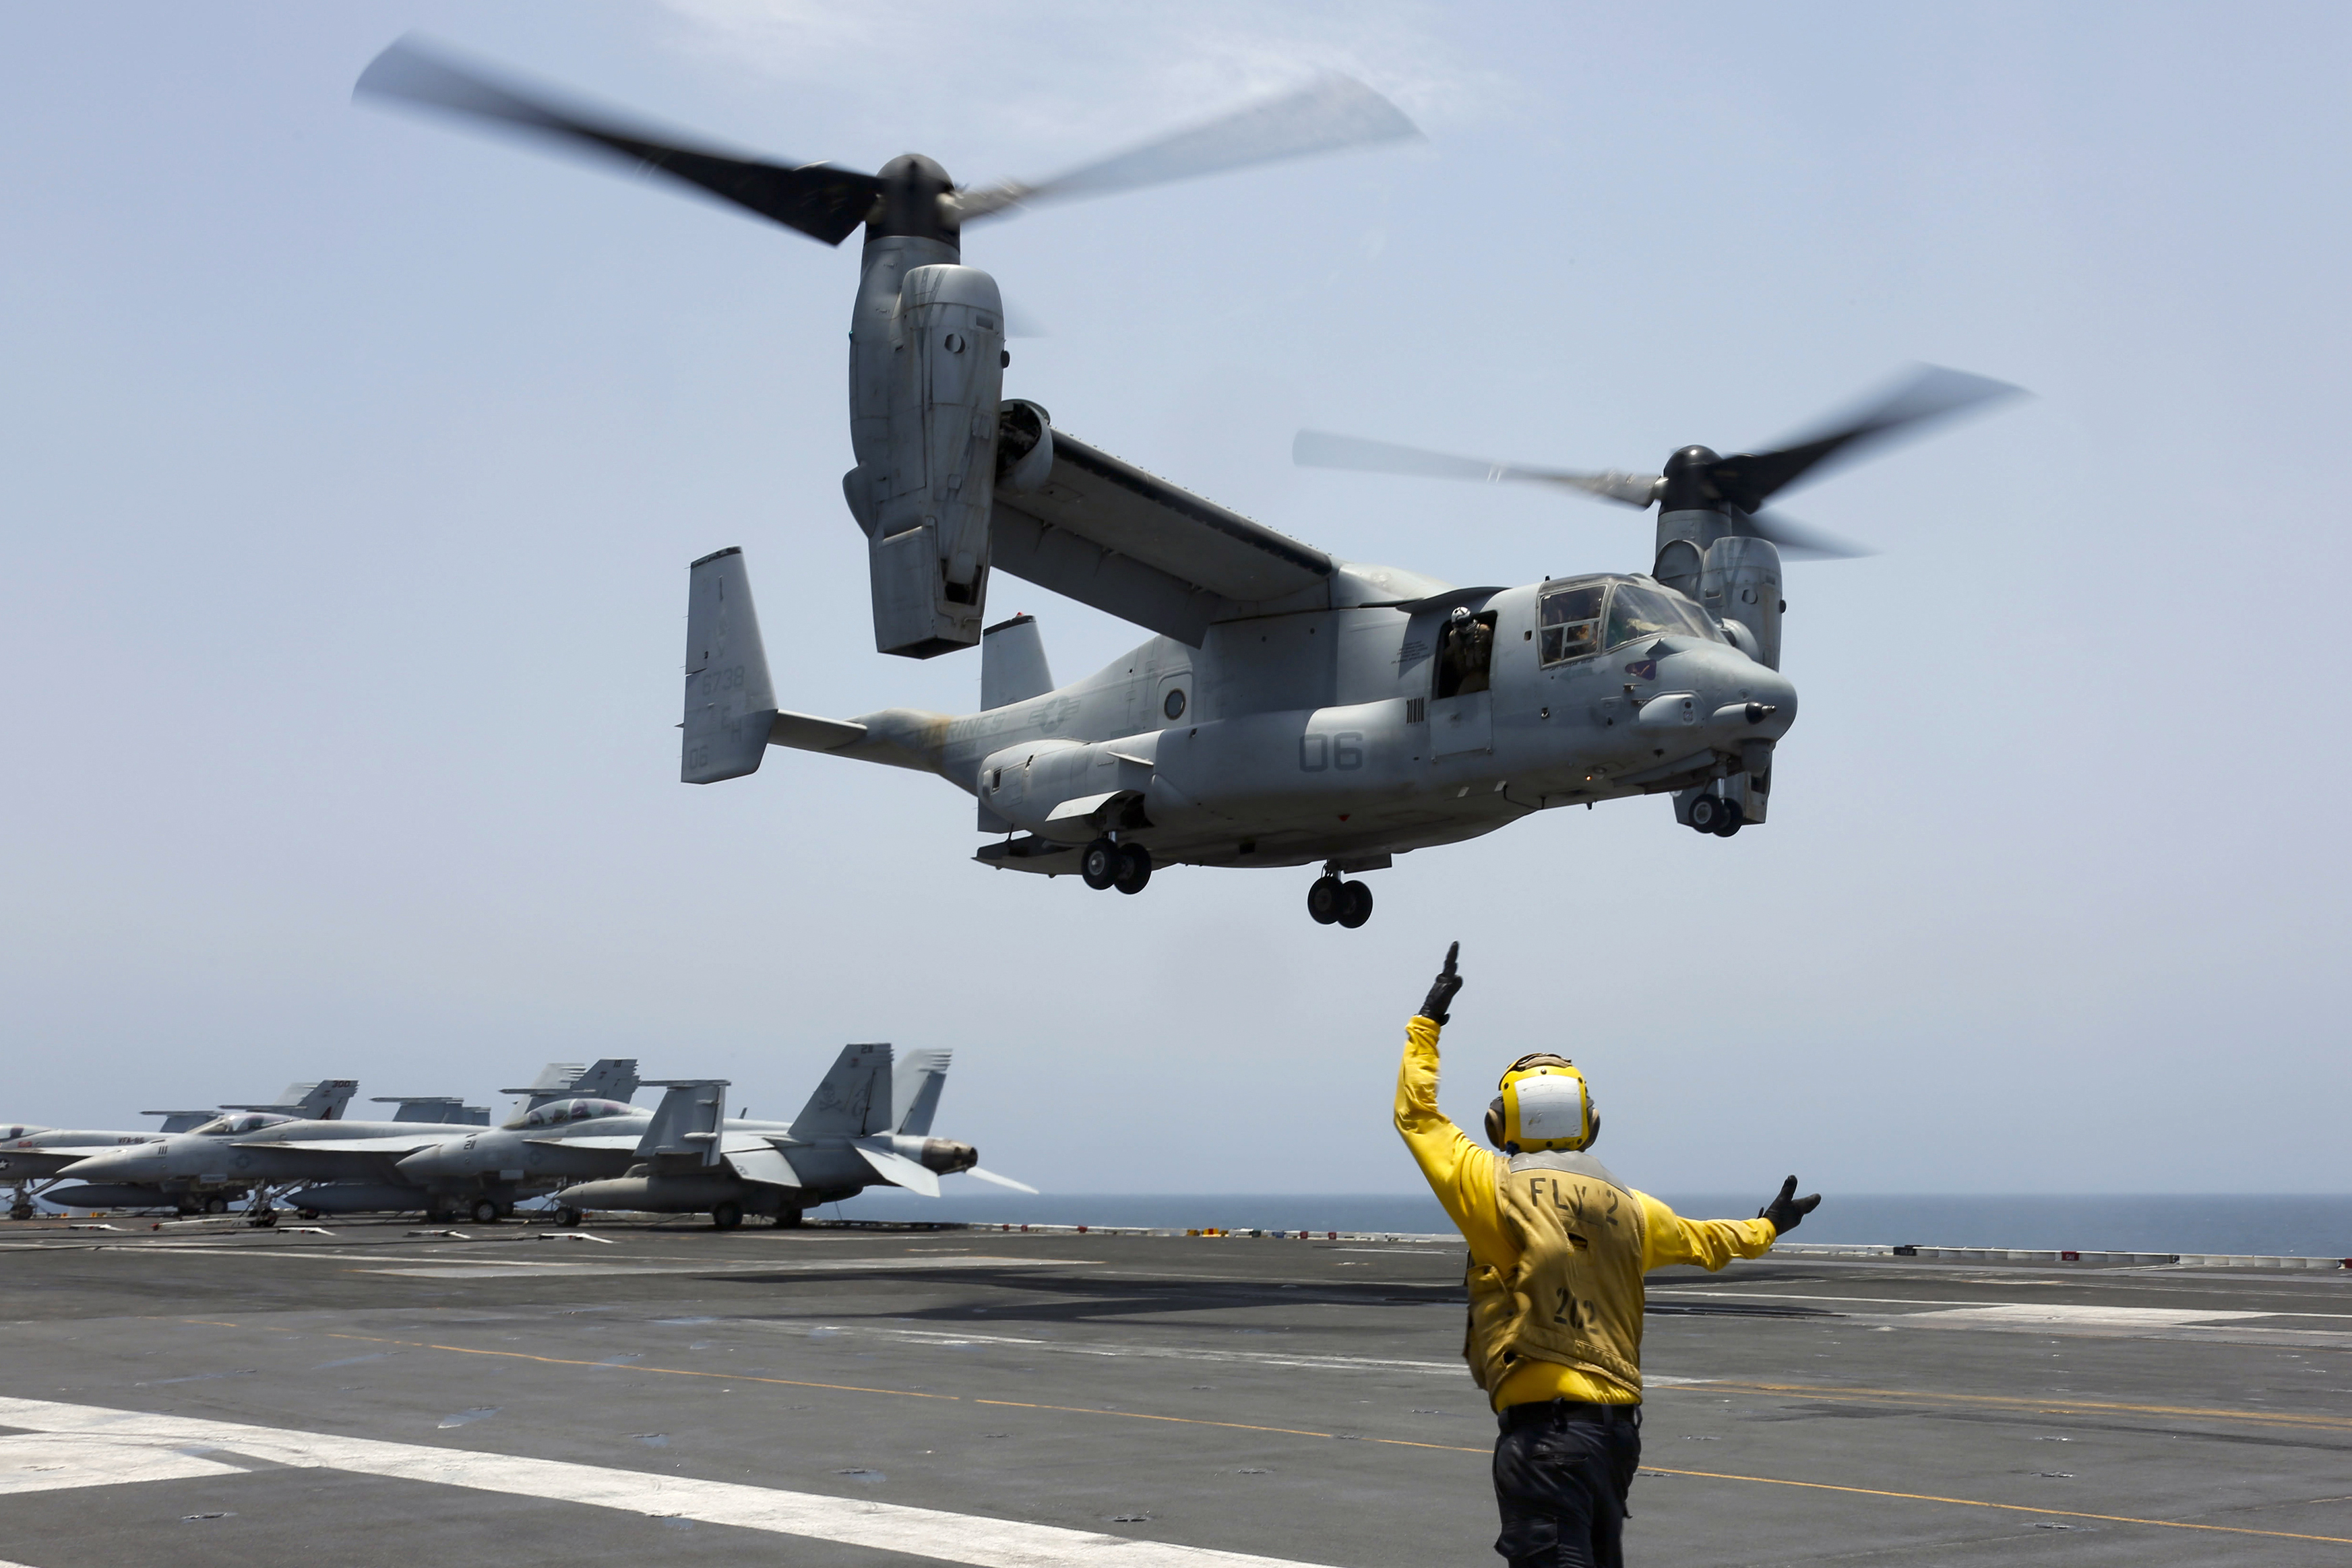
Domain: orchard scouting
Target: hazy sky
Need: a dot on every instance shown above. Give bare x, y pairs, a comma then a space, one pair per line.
350, 468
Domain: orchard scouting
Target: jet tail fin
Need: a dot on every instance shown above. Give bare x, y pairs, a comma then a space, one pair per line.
321, 1102
730, 704
448, 1109
915, 1085
853, 1099
688, 1122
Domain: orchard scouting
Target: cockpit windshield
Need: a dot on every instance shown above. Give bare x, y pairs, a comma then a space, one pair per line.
1636, 611
241, 1123
563, 1112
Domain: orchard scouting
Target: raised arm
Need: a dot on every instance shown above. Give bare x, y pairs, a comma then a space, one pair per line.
1459, 1171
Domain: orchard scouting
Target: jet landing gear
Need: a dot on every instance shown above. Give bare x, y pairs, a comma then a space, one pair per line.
1109, 863
1332, 902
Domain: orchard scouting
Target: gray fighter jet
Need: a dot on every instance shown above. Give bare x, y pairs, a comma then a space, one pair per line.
265, 1155
32, 1159
1293, 707
869, 1121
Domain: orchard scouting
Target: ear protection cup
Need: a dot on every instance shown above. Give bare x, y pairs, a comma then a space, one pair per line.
1495, 1123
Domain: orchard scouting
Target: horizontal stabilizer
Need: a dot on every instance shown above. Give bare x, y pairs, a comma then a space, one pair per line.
900, 1171
764, 1165
806, 732
729, 702
990, 1175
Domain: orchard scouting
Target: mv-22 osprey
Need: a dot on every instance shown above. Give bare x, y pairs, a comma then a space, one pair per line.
1293, 708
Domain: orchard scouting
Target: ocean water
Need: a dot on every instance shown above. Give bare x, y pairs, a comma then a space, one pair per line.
2294, 1225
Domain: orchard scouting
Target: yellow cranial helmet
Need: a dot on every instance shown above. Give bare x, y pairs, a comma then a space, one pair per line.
1544, 1105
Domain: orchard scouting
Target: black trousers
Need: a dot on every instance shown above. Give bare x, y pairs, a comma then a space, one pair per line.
1561, 1474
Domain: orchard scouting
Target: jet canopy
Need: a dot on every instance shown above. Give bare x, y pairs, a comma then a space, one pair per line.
241, 1123
562, 1112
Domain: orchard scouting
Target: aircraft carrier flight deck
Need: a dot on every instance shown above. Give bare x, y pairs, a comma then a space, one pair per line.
365, 1393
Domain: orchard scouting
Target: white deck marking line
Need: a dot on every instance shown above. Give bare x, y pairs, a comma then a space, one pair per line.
854, 1521
2005, 1306
2073, 1315
508, 1267
1301, 1362
43, 1461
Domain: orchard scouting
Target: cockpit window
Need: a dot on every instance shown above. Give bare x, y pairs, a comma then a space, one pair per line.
1636, 612
242, 1123
562, 1112
1569, 621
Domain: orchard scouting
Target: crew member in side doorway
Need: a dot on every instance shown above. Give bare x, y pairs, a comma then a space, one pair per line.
1557, 1248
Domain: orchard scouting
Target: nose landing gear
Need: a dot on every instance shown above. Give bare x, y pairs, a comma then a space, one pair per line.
1714, 814
1332, 902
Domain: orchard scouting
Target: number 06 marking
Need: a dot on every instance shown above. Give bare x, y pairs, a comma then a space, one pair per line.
1343, 750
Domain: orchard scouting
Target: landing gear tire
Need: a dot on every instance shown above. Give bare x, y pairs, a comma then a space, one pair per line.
215, 1205
20, 1211
1326, 897
788, 1219
263, 1219
308, 1214
485, 1212
1731, 822
726, 1216
1707, 814
568, 1217
1355, 904
1134, 868
1099, 864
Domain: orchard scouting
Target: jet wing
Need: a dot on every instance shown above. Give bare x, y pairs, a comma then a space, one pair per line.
353, 1145
628, 1141
1106, 533
761, 1164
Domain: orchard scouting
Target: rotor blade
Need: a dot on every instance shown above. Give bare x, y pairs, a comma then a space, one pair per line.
1335, 112
1318, 449
1929, 392
1000, 1180
898, 1169
820, 201
1800, 541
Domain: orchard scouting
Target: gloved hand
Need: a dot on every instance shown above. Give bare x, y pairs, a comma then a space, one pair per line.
1441, 991
1788, 1211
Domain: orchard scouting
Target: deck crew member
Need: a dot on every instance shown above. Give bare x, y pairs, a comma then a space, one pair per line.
1557, 1248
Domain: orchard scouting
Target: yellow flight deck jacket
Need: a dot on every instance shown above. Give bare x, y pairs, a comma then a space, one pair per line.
1469, 1181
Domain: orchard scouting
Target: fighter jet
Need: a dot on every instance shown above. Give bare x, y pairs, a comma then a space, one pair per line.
36, 1156
692, 1158
262, 1153
484, 1173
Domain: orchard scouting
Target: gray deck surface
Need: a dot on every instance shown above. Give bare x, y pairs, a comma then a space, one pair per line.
390, 1394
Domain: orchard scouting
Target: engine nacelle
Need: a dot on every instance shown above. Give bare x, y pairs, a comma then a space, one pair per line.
926, 476
1742, 582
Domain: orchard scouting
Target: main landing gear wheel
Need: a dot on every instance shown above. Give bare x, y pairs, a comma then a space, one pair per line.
1733, 818
216, 1205
568, 1217
1098, 863
788, 1218
20, 1211
1708, 811
1325, 899
726, 1216
1355, 904
486, 1212
1134, 868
